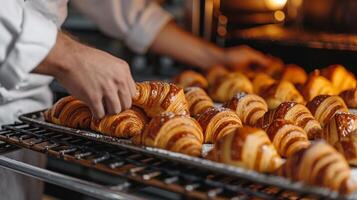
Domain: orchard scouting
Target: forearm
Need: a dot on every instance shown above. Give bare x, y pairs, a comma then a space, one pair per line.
183, 46
61, 58
99, 79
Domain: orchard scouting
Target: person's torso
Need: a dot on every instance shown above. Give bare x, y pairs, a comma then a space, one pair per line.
35, 85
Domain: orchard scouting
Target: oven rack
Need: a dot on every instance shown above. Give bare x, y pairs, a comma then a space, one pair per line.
185, 175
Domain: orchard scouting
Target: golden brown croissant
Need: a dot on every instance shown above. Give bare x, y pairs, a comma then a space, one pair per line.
178, 133
198, 100
324, 107
246, 147
217, 122
340, 133
69, 112
297, 114
286, 137
126, 124
156, 97
294, 74
215, 72
317, 85
249, 107
320, 165
191, 78
280, 92
225, 87
261, 81
350, 97
340, 77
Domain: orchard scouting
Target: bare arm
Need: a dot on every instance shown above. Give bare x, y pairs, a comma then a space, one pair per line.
183, 46
102, 81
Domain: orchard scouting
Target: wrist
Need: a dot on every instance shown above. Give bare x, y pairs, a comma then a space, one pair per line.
215, 56
61, 58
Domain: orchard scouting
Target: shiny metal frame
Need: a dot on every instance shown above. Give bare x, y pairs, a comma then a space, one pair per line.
36, 119
68, 182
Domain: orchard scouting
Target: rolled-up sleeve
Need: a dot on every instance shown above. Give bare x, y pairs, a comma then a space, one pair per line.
136, 22
26, 37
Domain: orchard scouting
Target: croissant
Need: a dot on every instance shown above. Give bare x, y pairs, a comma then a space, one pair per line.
324, 107
69, 112
340, 133
262, 81
297, 113
280, 92
126, 124
249, 107
217, 122
294, 74
198, 100
215, 72
156, 97
178, 133
246, 147
340, 77
190, 78
225, 87
350, 97
317, 85
320, 165
286, 137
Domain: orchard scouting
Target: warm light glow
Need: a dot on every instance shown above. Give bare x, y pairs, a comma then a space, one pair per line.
279, 15
275, 4
297, 3
222, 19
221, 31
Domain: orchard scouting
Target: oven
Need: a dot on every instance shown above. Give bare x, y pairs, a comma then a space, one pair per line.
311, 33
84, 165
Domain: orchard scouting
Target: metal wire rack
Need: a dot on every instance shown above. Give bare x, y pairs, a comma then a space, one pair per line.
154, 168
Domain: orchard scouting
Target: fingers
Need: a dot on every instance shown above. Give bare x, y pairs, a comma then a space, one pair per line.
243, 56
96, 105
112, 104
260, 59
132, 86
257, 56
125, 98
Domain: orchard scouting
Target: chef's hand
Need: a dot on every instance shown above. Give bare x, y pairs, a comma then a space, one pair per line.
197, 52
238, 58
102, 81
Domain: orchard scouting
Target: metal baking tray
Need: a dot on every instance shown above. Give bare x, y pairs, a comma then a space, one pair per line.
36, 119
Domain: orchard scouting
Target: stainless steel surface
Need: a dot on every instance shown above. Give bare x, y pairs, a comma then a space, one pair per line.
7, 148
208, 19
195, 24
199, 163
78, 185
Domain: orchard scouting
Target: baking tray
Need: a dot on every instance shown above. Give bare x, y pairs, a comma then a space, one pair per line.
37, 119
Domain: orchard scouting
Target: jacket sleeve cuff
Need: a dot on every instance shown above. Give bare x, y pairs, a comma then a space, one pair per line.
36, 39
152, 20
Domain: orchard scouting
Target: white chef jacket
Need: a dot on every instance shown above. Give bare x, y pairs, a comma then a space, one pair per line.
28, 31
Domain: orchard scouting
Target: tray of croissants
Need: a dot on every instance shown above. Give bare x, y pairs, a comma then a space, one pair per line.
277, 125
